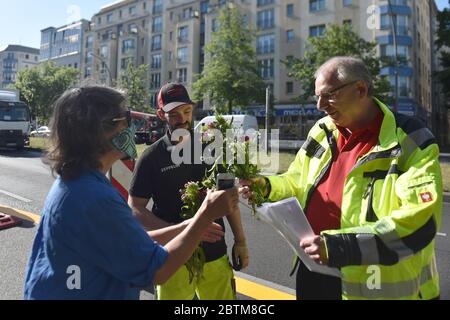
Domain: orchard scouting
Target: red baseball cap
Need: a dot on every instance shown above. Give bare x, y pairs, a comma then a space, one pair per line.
173, 95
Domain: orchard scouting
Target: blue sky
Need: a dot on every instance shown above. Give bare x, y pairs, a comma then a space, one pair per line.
22, 20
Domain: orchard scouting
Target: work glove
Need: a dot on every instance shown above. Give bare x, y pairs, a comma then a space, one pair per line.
240, 255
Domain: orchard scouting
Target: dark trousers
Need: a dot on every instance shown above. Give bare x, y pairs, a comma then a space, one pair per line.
316, 286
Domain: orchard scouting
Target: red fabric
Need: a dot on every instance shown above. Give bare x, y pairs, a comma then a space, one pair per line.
324, 208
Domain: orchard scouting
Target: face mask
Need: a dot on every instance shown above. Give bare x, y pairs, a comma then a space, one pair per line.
124, 142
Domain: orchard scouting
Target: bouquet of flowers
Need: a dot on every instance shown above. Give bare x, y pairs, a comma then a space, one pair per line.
239, 164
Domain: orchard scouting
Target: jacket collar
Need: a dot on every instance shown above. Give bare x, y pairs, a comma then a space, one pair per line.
387, 138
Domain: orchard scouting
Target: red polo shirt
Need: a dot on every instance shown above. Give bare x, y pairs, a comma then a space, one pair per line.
324, 209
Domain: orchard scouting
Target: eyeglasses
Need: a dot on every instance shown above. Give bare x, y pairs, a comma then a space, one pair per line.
331, 95
124, 116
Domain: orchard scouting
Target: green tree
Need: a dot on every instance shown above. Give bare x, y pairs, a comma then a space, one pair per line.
443, 43
134, 81
41, 86
230, 77
336, 41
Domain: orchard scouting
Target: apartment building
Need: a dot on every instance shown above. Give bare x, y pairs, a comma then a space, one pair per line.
171, 36
14, 58
63, 45
120, 33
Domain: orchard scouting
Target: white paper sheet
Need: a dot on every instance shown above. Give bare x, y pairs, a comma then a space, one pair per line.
288, 218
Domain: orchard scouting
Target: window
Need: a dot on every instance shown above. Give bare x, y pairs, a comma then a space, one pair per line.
182, 55
170, 35
156, 61
170, 75
99, 20
266, 68
157, 24
87, 72
347, 3
187, 13
144, 5
109, 17
265, 44
75, 65
128, 45
170, 56
156, 42
316, 5
289, 36
89, 42
183, 34
347, 22
125, 62
27, 56
204, 6
289, 87
317, 31
264, 2
182, 75
132, 10
388, 50
104, 51
155, 81
404, 85
401, 23
215, 25
157, 6
266, 19
290, 10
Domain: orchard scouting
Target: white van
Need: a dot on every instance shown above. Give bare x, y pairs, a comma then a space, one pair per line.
244, 122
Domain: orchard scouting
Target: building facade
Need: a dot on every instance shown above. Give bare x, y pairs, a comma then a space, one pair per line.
14, 58
170, 36
64, 45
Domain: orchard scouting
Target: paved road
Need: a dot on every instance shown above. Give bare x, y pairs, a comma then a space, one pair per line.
24, 175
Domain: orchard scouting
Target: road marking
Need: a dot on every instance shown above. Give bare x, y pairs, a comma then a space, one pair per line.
20, 214
259, 289
15, 196
442, 234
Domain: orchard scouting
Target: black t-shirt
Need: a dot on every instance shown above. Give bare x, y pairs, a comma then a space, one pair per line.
157, 177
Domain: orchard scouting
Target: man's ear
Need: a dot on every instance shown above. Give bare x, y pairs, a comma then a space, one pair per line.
363, 89
161, 115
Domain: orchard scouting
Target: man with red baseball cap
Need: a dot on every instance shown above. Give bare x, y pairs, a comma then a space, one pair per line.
157, 177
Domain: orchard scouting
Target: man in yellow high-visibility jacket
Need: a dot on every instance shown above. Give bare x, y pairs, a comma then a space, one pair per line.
370, 182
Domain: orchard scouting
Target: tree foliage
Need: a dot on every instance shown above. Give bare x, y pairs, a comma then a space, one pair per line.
336, 41
134, 81
41, 86
230, 77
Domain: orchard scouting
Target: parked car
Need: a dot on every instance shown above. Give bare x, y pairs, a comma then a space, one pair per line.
41, 132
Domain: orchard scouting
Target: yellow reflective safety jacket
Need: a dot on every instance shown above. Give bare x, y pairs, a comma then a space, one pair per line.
391, 208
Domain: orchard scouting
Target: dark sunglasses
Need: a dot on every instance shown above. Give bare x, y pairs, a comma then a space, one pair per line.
123, 116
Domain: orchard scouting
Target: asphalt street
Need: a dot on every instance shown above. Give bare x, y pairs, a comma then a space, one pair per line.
25, 182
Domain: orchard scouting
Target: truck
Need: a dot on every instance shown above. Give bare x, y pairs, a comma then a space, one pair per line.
149, 127
15, 120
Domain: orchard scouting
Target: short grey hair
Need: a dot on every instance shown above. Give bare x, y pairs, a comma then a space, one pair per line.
348, 69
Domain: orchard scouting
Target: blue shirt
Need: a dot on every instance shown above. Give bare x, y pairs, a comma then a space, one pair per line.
89, 245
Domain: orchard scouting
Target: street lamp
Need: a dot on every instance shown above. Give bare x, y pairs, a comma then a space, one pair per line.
105, 65
394, 37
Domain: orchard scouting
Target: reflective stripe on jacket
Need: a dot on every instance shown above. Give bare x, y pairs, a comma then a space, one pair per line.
391, 208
